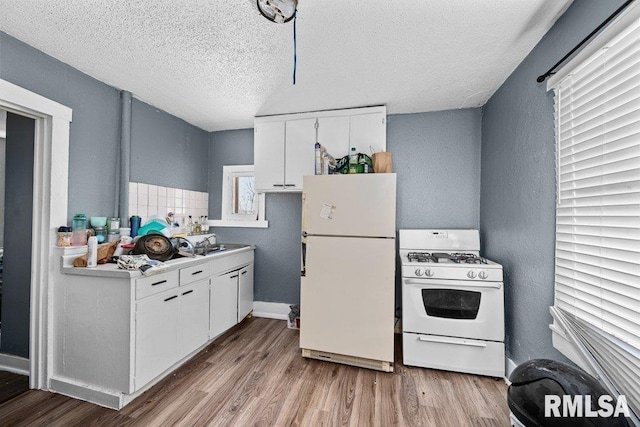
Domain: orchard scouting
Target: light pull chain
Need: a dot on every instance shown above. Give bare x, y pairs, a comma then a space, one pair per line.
295, 16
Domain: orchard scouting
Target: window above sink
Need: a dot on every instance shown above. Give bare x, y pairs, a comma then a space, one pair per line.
242, 205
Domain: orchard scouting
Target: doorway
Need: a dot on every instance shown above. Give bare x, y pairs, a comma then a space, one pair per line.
16, 234
50, 169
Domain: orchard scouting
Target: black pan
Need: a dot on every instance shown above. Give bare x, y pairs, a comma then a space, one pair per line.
155, 246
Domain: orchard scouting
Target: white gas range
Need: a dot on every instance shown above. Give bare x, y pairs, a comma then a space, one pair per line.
452, 303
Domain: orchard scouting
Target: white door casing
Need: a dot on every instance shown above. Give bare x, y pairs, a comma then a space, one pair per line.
50, 193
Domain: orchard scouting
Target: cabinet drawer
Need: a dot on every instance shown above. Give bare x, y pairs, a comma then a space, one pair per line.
192, 274
156, 283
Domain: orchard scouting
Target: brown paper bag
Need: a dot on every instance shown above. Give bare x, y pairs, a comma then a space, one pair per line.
382, 162
105, 251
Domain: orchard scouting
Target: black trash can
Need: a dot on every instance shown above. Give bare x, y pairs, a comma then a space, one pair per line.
537, 378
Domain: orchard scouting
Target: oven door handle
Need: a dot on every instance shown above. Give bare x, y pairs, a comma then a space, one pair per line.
452, 283
444, 340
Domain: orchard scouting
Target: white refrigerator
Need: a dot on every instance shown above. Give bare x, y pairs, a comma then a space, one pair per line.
348, 269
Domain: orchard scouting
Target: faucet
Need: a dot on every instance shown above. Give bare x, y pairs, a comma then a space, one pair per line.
206, 243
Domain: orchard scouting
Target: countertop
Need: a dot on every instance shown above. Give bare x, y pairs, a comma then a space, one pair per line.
112, 270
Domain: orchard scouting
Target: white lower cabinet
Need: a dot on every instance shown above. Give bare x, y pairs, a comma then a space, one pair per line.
224, 303
245, 292
193, 317
156, 335
116, 336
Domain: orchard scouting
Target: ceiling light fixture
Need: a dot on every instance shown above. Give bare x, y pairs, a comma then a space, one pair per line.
279, 11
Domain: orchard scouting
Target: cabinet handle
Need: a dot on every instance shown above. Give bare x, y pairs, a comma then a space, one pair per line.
233, 277
186, 293
278, 185
289, 185
170, 298
196, 272
244, 272
159, 283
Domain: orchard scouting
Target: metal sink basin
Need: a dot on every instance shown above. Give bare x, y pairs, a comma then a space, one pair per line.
218, 247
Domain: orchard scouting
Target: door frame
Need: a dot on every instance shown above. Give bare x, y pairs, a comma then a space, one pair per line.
50, 194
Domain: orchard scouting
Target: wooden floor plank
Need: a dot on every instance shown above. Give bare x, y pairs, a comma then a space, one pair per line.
11, 385
254, 375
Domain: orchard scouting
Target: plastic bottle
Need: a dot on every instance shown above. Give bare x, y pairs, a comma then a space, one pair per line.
353, 156
353, 161
92, 252
135, 225
79, 229
190, 229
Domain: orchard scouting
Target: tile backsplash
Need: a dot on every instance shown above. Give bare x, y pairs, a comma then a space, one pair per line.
146, 200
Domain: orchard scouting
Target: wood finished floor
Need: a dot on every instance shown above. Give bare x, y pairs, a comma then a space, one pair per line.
254, 375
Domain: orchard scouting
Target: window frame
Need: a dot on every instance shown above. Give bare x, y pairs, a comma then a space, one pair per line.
228, 218
574, 335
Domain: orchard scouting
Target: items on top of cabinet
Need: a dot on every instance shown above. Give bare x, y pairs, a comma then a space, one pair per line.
325, 162
284, 145
382, 162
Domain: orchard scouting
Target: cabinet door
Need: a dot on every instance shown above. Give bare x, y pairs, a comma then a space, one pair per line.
245, 292
224, 303
193, 317
368, 131
300, 152
268, 155
156, 336
333, 133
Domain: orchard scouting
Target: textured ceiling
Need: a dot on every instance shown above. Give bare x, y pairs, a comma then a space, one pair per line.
217, 64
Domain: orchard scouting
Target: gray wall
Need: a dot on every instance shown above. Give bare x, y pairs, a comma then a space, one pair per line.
434, 154
16, 275
437, 158
166, 150
94, 143
277, 256
517, 215
94, 134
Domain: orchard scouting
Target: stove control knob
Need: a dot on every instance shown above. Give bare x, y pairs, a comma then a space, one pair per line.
471, 274
418, 272
483, 275
428, 273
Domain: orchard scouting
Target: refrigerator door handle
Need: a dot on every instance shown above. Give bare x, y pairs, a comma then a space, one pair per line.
303, 272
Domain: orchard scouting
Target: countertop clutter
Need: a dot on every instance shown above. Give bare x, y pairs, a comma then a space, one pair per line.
112, 270
143, 246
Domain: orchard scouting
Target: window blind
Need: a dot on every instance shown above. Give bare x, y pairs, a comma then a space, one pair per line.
597, 271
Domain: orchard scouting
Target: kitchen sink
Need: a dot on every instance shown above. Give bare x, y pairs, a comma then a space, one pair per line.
212, 250
218, 247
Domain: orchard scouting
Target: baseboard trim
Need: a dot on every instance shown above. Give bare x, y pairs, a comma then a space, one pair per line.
271, 310
15, 364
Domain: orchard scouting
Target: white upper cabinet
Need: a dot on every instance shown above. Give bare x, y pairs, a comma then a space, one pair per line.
299, 149
368, 132
284, 145
333, 133
268, 153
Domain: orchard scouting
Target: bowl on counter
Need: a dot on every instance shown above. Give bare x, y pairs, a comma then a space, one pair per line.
98, 221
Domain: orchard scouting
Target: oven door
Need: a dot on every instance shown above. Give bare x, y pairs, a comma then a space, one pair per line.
454, 308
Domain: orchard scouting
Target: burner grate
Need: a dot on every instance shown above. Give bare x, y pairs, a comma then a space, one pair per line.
457, 258
420, 257
468, 258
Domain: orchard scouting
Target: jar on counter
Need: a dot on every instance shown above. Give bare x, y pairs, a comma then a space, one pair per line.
101, 234
64, 236
79, 230
113, 225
